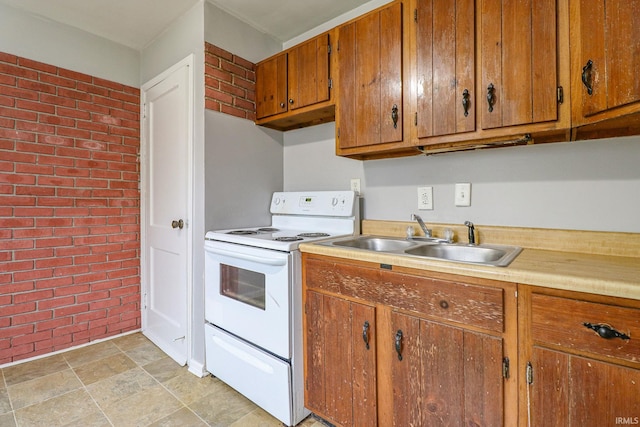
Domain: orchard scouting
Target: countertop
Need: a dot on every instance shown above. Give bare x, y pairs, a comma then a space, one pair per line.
610, 275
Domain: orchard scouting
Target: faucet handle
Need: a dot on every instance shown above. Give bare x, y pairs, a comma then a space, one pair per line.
472, 236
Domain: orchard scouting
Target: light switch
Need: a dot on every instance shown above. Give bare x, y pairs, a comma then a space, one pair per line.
463, 194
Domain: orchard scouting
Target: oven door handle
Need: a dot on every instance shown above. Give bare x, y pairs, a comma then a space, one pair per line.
246, 257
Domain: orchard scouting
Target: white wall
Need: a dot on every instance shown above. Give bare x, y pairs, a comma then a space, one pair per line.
56, 44
229, 33
585, 185
243, 168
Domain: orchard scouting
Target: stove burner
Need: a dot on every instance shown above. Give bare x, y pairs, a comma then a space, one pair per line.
313, 235
242, 232
288, 239
268, 229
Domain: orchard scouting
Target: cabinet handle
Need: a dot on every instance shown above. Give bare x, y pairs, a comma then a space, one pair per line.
466, 102
282, 104
491, 96
586, 76
394, 116
606, 331
291, 101
365, 333
399, 344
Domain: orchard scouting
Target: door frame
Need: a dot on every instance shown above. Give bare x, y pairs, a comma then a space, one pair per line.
144, 188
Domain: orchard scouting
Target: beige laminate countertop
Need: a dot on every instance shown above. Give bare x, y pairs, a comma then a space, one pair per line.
617, 276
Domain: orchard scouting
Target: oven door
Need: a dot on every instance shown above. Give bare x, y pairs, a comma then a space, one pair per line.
248, 293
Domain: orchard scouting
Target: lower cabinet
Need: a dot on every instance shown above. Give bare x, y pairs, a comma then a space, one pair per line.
406, 347
340, 360
581, 359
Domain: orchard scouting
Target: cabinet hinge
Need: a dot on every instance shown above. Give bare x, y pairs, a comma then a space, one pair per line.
144, 111
529, 373
338, 46
330, 83
415, 119
415, 15
560, 93
505, 368
329, 49
144, 301
338, 133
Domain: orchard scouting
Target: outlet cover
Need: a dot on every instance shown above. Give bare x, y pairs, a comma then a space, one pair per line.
463, 194
425, 198
355, 185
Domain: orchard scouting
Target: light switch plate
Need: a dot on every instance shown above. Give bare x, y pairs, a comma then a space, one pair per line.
463, 194
425, 198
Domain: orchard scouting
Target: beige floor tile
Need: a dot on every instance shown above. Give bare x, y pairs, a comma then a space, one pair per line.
35, 369
164, 369
73, 408
121, 386
181, 418
257, 418
189, 388
131, 341
91, 353
37, 390
223, 407
7, 420
5, 403
142, 408
104, 368
145, 353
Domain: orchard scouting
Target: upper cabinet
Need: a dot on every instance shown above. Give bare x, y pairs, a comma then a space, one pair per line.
293, 88
489, 73
429, 76
370, 109
605, 43
445, 65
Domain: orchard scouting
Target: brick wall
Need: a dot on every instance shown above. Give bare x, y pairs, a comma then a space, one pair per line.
230, 83
69, 208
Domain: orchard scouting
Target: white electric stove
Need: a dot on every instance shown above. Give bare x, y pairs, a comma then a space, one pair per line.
253, 297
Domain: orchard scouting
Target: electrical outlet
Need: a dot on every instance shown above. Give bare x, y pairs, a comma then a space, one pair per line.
355, 185
425, 198
463, 194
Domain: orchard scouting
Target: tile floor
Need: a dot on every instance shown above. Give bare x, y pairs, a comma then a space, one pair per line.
126, 381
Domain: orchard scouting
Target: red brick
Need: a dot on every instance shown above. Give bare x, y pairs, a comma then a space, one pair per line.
40, 66
55, 181
90, 88
31, 338
56, 120
71, 271
70, 310
14, 309
45, 325
10, 245
71, 290
53, 282
32, 275
56, 302
32, 232
16, 222
91, 315
12, 267
16, 134
15, 92
22, 168
19, 114
74, 113
108, 84
35, 317
54, 222
53, 262
57, 80
233, 111
33, 212
73, 250
36, 86
75, 75
123, 273
54, 242
35, 106
55, 140
33, 254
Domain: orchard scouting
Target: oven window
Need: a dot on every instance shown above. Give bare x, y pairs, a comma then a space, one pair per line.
242, 285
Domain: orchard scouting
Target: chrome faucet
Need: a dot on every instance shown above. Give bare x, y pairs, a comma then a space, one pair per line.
472, 230
427, 231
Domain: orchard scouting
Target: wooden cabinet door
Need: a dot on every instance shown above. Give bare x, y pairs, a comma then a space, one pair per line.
271, 86
309, 73
607, 54
443, 375
370, 109
518, 57
445, 58
340, 360
571, 391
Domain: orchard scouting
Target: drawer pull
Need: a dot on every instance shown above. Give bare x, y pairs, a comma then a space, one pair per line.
606, 331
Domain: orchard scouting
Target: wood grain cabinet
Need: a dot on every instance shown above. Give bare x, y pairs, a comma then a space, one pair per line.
581, 359
439, 346
293, 88
370, 109
490, 72
605, 46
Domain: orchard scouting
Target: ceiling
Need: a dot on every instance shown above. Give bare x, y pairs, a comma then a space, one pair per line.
135, 23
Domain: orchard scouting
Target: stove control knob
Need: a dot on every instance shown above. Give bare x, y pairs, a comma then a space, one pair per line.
334, 201
276, 201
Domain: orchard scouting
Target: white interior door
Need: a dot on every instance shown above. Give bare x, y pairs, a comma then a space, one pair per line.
167, 188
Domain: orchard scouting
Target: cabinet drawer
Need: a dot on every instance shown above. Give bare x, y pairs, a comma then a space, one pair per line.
481, 306
561, 322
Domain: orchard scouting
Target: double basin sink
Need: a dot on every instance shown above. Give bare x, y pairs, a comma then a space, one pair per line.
433, 248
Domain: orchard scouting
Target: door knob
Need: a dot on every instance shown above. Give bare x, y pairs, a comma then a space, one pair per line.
177, 224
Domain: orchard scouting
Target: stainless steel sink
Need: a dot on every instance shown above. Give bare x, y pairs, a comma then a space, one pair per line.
478, 254
378, 244
494, 255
